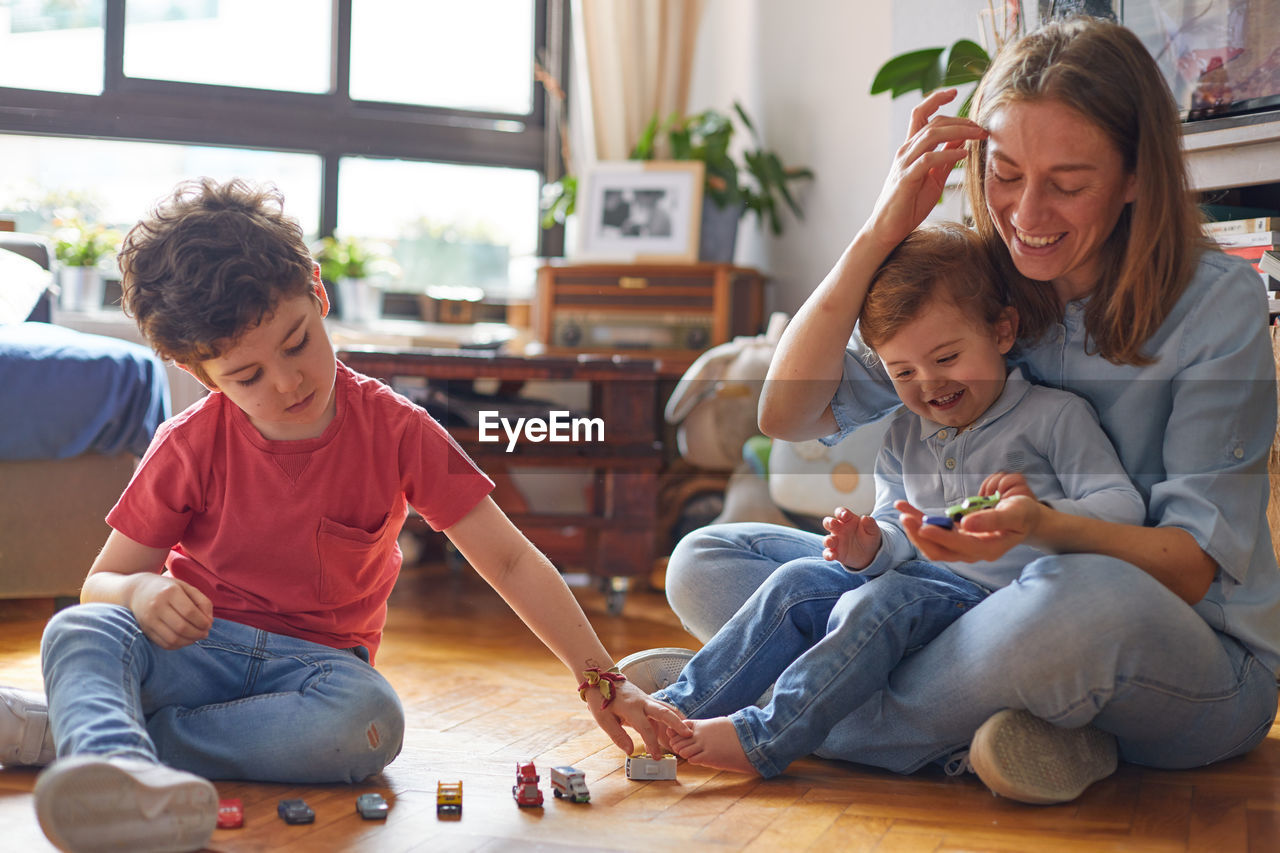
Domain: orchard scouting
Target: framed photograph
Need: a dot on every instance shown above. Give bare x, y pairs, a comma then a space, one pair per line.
641, 210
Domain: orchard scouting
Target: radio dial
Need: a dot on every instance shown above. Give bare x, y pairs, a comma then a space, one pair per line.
570, 334
696, 338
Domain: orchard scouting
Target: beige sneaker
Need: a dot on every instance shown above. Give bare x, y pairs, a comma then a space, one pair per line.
25, 736
654, 669
88, 803
1022, 757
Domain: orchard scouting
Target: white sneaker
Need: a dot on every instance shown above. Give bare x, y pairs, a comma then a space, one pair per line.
25, 736
88, 803
1022, 757
654, 669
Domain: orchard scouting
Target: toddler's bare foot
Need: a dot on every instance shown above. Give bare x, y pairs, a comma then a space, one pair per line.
714, 744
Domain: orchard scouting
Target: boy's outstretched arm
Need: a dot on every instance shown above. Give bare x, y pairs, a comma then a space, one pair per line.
172, 613
532, 586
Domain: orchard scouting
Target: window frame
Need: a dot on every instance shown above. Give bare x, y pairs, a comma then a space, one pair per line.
330, 125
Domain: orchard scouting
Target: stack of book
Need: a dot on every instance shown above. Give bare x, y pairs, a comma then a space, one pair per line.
1252, 238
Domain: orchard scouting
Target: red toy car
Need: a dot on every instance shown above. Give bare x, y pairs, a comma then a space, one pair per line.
230, 814
525, 790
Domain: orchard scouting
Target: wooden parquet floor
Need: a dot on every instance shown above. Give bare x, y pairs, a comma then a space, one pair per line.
480, 693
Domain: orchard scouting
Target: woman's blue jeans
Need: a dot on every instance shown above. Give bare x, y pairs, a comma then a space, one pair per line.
1077, 639
826, 639
240, 704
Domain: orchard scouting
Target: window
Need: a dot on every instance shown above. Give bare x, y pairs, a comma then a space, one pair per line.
115, 182
454, 226
31, 31
230, 42
461, 59
416, 124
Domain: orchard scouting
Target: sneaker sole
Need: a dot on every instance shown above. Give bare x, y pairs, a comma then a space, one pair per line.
87, 804
1024, 758
654, 669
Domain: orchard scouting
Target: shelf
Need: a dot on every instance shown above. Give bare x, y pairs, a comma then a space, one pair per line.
1226, 153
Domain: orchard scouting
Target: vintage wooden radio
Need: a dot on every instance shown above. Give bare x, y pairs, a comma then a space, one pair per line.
671, 312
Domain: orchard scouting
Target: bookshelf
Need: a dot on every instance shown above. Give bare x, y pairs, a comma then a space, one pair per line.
1236, 161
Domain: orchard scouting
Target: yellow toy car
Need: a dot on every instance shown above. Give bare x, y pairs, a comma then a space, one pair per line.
449, 799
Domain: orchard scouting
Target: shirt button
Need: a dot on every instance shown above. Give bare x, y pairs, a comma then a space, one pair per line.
942, 434
1238, 453
950, 463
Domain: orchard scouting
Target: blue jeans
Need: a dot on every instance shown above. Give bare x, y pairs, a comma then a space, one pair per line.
1078, 639
240, 704
826, 639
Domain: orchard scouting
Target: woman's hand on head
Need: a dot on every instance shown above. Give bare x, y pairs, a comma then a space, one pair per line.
934, 144
985, 535
632, 707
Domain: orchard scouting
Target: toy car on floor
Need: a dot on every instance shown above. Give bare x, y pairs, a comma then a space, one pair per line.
570, 783
295, 811
372, 806
449, 799
525, 790
642, 765
230, 813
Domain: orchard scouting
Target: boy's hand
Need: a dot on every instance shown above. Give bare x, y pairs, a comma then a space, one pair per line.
172, 613
854, 538
984, 535
633, 707
1007, 484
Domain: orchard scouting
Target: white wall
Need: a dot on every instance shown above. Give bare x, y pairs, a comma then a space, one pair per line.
803, 70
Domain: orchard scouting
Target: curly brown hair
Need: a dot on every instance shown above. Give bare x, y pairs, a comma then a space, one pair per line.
938, 260
208, 264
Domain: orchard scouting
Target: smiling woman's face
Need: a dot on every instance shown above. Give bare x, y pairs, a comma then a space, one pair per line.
1055, 188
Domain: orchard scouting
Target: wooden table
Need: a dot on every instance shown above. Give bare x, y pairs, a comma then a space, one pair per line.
614, 539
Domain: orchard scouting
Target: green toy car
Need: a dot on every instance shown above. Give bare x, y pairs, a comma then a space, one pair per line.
955, 512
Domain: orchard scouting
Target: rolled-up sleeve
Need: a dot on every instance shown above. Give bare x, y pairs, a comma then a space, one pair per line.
1220, 429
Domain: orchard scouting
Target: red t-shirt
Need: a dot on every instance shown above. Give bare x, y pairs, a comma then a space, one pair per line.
298, 537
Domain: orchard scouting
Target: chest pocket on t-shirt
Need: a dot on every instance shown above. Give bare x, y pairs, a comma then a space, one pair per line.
351, 559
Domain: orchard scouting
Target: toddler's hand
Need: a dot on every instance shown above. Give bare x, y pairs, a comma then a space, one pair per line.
172, 613
984, 535
854, 538
1007, 484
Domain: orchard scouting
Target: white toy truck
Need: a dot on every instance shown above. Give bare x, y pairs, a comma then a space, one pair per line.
641, 765
569, 782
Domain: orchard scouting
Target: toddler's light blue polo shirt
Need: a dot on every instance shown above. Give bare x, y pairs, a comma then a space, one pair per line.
1193, 429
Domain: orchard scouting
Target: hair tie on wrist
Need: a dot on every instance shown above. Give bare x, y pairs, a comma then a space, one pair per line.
601, 680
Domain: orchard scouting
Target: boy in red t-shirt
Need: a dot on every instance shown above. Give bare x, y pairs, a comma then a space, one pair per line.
230, 622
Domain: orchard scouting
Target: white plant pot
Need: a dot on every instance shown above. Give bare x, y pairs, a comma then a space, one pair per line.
82, 289
359, 300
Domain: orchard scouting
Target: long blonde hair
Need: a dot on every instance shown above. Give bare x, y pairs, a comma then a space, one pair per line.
1102, 71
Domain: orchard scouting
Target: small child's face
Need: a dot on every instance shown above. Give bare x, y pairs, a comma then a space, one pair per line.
947, 366
281, 372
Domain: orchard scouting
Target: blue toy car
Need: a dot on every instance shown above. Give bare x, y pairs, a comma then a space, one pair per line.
295, 811
372, 806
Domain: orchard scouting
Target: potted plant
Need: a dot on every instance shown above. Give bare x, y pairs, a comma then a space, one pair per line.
349, 263
81, 249
760, 183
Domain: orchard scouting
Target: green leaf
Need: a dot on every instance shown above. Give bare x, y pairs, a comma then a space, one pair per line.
643, 149
742, 114
905, 72
965, 62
